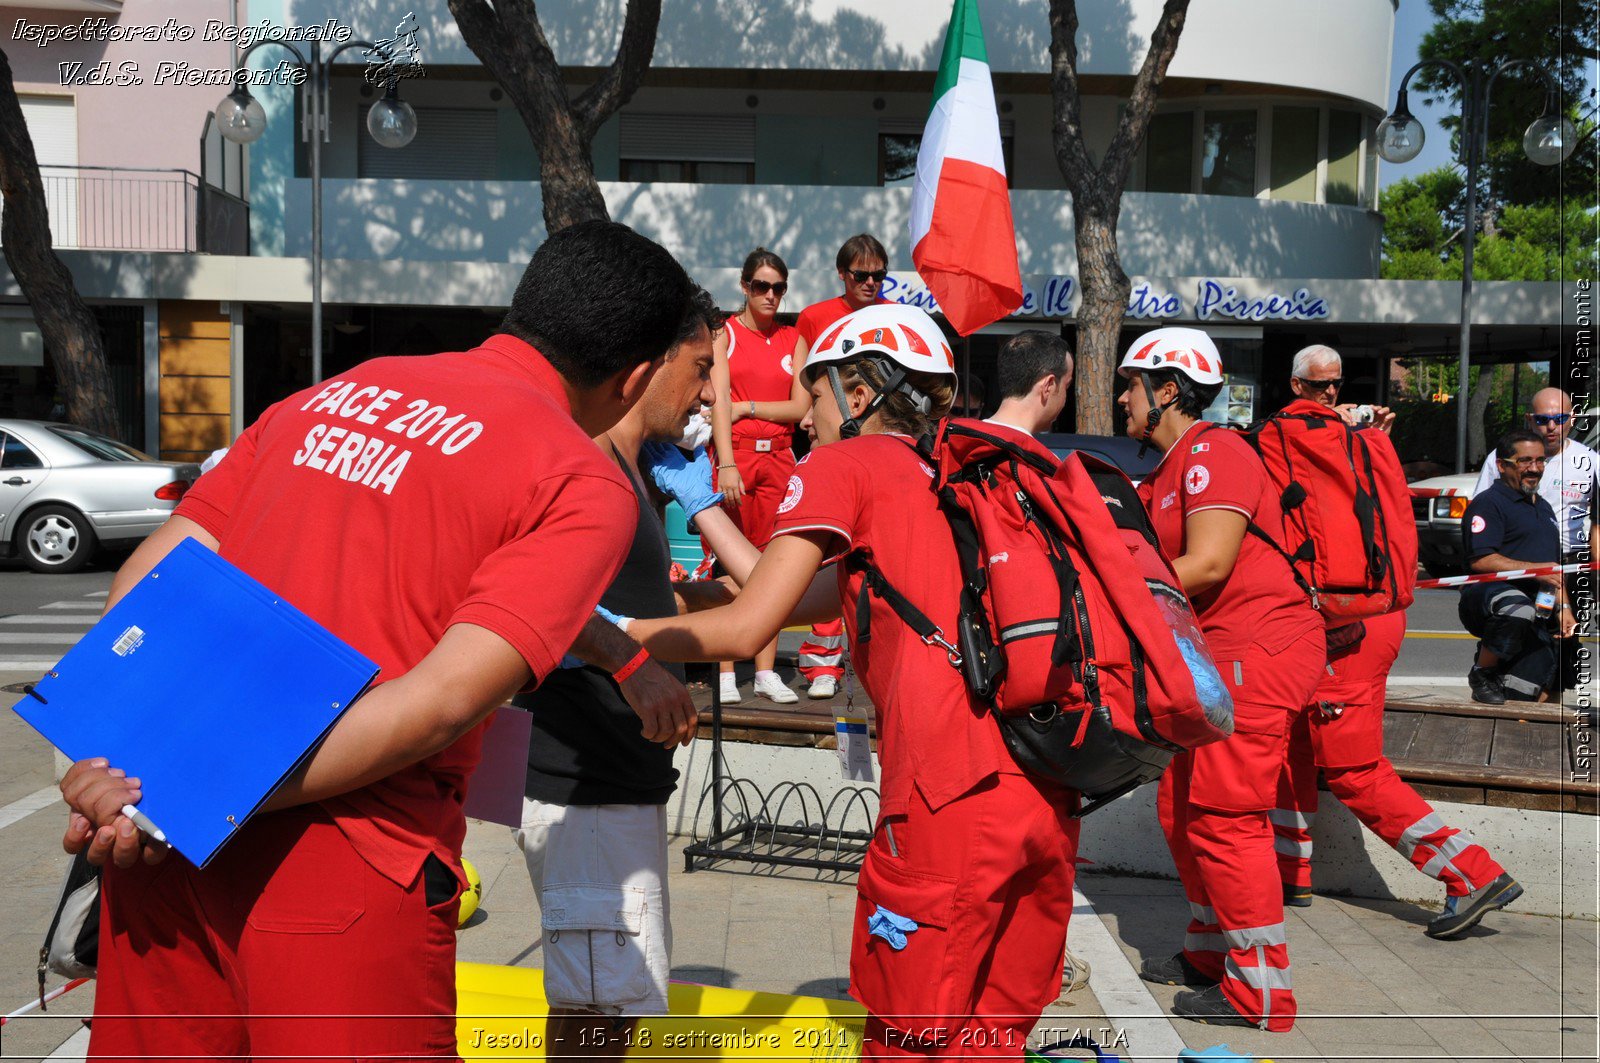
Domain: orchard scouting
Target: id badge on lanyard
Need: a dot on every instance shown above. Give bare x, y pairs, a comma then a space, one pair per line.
850, 730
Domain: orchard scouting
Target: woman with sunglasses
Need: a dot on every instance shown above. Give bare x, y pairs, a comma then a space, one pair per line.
862, 264
760, 399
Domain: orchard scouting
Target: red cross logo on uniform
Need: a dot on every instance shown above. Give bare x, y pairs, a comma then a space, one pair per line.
1196, 479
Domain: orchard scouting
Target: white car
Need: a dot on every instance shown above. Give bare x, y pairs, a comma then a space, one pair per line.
1437, 505
65, 490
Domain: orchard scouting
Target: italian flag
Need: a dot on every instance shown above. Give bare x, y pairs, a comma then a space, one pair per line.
962, 240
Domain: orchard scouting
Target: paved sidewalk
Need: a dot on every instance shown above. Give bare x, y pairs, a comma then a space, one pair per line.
1371, 986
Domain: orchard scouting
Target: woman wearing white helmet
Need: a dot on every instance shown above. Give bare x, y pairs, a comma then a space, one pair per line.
967, 887
1213, 510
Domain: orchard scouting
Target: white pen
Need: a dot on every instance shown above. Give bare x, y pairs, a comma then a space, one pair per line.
143, 822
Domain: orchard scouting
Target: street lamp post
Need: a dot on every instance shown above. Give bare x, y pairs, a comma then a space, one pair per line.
391, 121
1548, 141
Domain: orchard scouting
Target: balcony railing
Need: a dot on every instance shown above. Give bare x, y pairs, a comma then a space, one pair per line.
106, 208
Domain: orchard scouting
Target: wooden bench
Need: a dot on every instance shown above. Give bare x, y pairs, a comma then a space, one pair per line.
1518, 755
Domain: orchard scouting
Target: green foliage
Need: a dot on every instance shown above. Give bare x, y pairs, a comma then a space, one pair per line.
1536, 242
1559, 35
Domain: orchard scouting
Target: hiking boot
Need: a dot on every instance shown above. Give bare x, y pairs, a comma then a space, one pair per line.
1486, 687
1174, 970
823, 687
1211, 1007
772, 688
1296, 896
1463, 913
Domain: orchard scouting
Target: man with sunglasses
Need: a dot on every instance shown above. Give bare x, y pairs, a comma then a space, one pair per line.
1511, 526
1317, 375
862, 264
1570, 470
1341, 734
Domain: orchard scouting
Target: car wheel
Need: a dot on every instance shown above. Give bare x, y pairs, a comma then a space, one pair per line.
55, 539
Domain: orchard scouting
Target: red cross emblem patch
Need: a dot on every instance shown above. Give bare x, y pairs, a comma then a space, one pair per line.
1196, 479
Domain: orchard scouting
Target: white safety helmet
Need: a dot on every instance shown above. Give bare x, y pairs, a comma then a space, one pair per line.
900, 339
1186, 350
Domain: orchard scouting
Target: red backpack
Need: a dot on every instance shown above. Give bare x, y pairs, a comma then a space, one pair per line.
1072, 626
1347, 523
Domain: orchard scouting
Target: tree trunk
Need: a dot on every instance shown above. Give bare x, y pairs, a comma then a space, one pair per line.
566, 176
508, 38
1097, 195
71, 333
1100, 312
1477, 406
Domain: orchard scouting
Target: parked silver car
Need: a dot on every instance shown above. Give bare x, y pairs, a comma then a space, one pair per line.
65, 490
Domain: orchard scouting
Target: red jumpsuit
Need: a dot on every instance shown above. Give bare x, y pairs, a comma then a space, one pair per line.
1214, 801
963, 901
1342, 733
760, 369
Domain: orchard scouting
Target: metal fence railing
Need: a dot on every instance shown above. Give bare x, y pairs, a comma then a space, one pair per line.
107, 208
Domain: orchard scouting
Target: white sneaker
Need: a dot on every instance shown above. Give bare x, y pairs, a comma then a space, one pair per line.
822, 687
729, 692
775, 690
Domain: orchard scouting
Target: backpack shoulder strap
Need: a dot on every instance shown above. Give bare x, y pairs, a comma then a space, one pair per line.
878, 584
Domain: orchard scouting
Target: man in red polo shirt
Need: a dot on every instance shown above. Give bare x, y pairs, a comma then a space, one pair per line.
862, 264
450, 518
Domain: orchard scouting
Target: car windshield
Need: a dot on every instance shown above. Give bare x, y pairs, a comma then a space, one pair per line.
98, 446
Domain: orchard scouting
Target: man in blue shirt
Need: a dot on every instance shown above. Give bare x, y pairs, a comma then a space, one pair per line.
1508, 527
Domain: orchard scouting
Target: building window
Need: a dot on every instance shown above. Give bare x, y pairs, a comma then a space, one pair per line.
1344, 158
1169, 153
1294, 153
897, 158
899, 140
688, 171
1228, 165
687, 148
452, 144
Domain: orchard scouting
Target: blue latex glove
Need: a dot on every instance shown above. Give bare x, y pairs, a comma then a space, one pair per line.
890, 927
688, 481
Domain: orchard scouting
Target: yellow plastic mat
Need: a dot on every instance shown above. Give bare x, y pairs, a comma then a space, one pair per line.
500, 1014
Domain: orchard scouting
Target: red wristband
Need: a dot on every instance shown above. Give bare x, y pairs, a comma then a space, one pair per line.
622, 674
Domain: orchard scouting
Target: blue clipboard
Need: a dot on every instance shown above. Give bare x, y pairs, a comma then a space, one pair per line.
206, 686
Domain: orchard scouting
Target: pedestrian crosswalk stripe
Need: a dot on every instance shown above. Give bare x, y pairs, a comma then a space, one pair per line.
97, 594
27, 806
39, 638
79, 621
73, 605
36, 665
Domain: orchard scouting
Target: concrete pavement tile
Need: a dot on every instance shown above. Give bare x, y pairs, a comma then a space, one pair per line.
1463, 1036
1354, 1027
778, 957
1293, 1045
1097, 887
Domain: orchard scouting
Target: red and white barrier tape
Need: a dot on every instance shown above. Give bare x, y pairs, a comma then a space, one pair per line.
1516, 573
42, 1001
1440, 492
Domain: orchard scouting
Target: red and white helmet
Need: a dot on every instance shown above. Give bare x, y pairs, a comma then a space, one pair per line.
905, 335
1186, 350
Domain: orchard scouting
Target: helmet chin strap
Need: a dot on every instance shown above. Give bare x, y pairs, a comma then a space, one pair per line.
895, 380
1152, 418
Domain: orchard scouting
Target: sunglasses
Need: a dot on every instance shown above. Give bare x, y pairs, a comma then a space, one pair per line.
1322, 385
862, 276
763, 287
1542, 419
